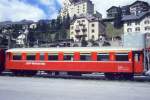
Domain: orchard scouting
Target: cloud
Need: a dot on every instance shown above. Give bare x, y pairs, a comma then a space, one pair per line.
60, 1
16, 10
52, 8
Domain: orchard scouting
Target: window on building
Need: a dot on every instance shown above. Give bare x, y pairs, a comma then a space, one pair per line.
129, 24
137, 23
31, 57
137, 29
52, 57
129, 30
93, 25
83, 5
78, 21
147, 28
83, 20
78, 10
83, 8
72, 33
121, 57
93, 31
146, 22
85, 57
72, 27
103, 57
17, 57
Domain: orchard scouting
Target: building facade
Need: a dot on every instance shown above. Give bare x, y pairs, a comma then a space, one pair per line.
139, 7
125, 10
113, 12
88, 27
133, 9
77, 7
139, 23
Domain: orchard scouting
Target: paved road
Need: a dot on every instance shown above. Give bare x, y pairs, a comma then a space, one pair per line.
24, 88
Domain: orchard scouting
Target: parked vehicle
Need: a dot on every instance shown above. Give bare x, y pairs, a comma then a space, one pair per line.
113, 62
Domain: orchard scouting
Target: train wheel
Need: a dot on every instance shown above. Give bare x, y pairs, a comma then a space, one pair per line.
29, 73
110, 76
128, 76
75, 73
24, 73
1, 69
17, 73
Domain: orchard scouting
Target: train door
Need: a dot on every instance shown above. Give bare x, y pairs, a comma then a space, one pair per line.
147, 61
138, 65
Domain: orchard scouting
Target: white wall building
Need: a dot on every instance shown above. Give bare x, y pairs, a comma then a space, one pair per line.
139, 23
77, 7
89, 27
20, 39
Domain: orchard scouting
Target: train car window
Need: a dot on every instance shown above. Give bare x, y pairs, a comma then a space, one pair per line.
17, 57
85, 57
31, 57
68, 57
137, 57
53, 57
103, 57
42, 56
122, 57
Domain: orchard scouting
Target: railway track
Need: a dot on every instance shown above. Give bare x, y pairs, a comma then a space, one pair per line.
94, 76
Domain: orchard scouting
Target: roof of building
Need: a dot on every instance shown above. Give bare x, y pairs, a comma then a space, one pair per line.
90, 18
76, 2
125, 7
138, 16
112, 8
139, 2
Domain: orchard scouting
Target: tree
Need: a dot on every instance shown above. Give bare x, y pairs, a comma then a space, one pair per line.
53, 25
67, 22
58, 22
117, 21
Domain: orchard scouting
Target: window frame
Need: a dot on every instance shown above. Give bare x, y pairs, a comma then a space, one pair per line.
68, 54
30, 54
88, 57
121, 54
19, 54
51, 55
105, 54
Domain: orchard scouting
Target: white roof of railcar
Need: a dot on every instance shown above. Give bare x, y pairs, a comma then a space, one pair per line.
73, 49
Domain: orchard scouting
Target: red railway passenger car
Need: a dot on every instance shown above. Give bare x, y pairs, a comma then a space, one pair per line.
113, 62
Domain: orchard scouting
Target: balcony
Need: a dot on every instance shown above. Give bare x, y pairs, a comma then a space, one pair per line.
77, 30
84, 30
80, 36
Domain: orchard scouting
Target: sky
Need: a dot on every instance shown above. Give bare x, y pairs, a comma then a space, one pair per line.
16, 10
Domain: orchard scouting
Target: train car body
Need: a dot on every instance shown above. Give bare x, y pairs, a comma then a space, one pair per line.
77, 59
